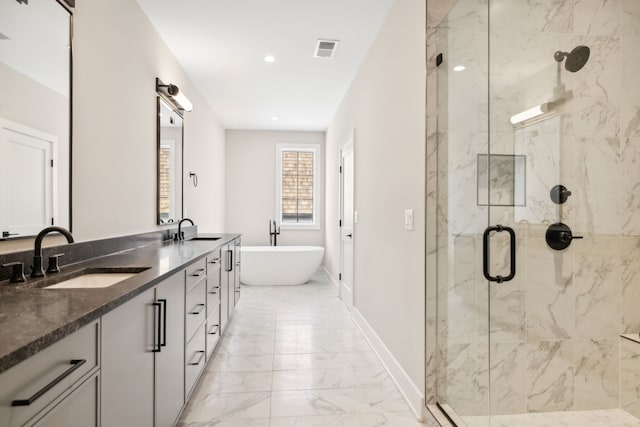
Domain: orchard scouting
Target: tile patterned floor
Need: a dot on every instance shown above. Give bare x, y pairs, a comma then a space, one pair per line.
292, 357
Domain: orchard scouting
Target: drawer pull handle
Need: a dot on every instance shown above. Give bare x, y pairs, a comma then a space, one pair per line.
197, 309
75, 364
214, 330
199, 273
214, 261
199, 358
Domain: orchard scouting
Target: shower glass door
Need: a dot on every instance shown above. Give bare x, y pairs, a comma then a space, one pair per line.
462, 324
538, 132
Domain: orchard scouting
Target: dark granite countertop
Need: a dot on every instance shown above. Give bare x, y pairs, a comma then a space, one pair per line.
33, 318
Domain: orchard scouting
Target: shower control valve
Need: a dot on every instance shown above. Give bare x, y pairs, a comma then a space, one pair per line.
559, 236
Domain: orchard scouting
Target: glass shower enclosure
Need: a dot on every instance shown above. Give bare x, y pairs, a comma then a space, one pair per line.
538, 213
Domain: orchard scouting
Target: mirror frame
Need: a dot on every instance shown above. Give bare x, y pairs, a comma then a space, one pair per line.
68, 6
159, 99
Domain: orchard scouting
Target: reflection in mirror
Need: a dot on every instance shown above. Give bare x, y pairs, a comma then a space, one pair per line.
35, 58
170, 134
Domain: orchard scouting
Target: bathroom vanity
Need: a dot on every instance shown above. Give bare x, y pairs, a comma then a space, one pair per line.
128, 354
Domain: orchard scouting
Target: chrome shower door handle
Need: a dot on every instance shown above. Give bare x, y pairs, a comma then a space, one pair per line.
486, 258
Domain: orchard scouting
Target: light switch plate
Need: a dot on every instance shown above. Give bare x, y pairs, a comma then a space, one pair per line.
408, 219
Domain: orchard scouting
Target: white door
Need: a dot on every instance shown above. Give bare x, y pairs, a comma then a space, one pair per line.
346, 216
26, 179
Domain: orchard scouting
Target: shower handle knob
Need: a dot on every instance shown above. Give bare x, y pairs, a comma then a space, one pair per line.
559, 236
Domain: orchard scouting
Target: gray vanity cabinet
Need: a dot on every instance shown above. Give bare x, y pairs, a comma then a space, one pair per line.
169, 361
46, 389
236, 270
143, 358
80, 408
224, 286
128, 340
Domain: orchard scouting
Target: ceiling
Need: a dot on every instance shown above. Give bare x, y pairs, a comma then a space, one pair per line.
221, 44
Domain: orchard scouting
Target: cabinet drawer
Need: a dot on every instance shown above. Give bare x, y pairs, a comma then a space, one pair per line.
213, 330
213, 260
196, 309
213, 292
196, 272
39, 380
194, 359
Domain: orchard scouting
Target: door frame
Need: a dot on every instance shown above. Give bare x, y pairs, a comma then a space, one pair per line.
346, 295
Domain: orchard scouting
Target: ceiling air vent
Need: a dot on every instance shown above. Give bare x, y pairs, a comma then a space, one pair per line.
325, 49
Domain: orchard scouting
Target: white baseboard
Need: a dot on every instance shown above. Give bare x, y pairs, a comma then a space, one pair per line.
410, 392
332, 281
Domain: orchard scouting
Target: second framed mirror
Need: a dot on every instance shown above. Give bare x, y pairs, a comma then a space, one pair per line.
170, 162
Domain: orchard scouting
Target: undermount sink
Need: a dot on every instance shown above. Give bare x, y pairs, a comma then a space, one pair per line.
205, 238
95, 278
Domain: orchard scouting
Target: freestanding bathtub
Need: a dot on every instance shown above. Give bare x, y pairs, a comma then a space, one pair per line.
279, 265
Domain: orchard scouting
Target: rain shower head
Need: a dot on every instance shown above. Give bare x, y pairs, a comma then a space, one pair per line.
575, 60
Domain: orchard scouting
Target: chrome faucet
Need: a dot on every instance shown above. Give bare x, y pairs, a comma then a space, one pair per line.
274, 232
36, 270
180, 234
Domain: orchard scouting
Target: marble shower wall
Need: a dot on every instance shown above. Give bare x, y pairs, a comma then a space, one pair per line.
554, 329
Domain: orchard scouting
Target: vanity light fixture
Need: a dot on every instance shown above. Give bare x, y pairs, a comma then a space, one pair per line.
269, 58
531, 113
174, 95
459, 68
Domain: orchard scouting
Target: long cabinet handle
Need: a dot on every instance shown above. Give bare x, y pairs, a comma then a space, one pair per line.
164, 322
75, 364
158, 320
197, 309
199, 273
199, 358
486, 255
229, 260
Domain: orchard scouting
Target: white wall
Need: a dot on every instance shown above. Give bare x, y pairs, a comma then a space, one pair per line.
251, 185
386, 107
117, 55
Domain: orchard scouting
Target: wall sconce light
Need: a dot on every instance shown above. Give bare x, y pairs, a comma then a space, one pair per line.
172, 94
531, 113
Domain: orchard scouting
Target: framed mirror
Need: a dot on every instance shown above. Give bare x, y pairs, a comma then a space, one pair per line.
170, 155
35, 116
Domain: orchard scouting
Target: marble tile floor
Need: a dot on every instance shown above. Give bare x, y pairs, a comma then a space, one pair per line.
596, 418
292, 357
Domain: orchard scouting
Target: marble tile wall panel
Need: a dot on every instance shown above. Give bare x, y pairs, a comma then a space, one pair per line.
550, 376
597, 287
596, 373
595, 206
630, 186
630, 18
549, 292
508, 378
630, 284
630, 102
630, 376
597, 17
466, 378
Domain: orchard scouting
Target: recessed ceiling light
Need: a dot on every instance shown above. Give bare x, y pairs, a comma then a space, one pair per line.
269, 58
459, 68
274, 118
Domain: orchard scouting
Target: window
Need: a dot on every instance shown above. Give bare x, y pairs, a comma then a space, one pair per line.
297, 185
